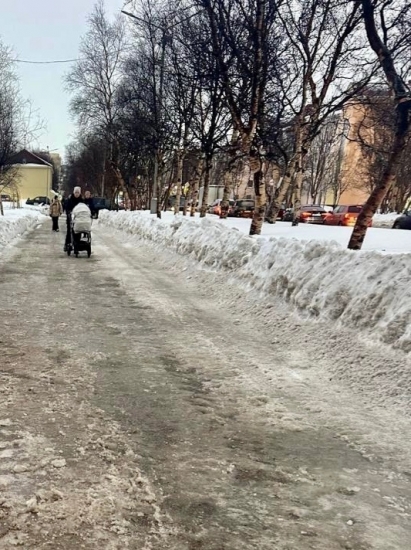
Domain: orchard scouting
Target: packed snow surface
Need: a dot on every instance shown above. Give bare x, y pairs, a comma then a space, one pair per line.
15, 223
368, 291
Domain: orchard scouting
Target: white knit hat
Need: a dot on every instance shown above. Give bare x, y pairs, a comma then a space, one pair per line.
77, 190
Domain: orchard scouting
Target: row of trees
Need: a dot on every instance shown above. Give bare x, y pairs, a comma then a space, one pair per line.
18, 122
263, 81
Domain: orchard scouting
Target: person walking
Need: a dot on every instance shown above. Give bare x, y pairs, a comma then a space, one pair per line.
56, 211
71, 203
89, 201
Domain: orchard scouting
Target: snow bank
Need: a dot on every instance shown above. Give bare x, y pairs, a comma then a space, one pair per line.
363, 290
17, 222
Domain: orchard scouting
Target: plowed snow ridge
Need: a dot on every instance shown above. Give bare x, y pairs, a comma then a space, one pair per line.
365, 290
17, 222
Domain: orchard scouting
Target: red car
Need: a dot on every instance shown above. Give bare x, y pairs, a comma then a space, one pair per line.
344, 215
215, 208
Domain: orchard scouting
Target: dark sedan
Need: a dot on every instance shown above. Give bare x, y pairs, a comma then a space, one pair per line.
243, 208
308, 214
403, 221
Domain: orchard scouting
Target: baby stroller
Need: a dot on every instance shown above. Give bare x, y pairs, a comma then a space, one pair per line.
80, 231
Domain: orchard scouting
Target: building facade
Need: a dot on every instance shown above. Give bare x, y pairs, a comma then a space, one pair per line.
33, 176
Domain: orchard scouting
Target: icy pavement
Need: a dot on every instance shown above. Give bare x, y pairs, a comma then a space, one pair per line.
149, 403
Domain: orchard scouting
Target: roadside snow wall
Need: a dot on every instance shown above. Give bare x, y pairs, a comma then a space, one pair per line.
364, 290
15, 223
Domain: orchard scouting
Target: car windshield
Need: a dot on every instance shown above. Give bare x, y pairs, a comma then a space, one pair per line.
354, 209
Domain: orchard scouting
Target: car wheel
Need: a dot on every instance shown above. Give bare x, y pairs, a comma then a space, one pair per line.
396, 226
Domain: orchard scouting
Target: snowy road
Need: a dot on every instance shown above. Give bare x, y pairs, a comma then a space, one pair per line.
146, 404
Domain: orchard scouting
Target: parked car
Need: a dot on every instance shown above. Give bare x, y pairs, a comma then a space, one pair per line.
403, 221
38, 201
288, 215
215, 208
309, 214
172, 200
281, 213
344, 215
5, 198
100, 203
244, 208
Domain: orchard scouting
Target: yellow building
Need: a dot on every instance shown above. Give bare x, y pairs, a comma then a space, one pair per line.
33, 175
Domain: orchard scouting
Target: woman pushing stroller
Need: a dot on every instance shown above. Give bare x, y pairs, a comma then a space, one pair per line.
69, 205
81, 229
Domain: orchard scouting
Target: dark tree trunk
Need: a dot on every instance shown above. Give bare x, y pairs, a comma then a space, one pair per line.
196, 187
260, 199
204, 204
280, 194
403, 107
377, 196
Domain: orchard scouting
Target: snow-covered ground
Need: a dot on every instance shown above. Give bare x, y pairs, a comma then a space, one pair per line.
16, 222
306, 266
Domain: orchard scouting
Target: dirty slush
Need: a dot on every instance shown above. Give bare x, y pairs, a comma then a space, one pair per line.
143, 405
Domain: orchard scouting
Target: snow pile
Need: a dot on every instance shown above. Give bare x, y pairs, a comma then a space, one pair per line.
363, 290
16, 222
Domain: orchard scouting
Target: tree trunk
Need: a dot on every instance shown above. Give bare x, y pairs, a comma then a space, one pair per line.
204, 204
228, 177
260, 199
103, 176
158, 180
180, 160
1, 207
299, 178
196, 187
225, 205
121, 183
280, 193
377, 196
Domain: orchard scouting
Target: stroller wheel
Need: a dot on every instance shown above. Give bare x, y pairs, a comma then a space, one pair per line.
68, 251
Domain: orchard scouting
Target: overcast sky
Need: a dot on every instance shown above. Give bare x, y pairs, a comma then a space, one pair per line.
43, 30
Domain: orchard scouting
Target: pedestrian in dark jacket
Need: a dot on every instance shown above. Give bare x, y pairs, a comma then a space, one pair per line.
56, 211
71, 203
88, 199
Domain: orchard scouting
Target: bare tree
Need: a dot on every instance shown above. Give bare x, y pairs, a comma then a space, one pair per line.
18, 123
323, 44
389, 34
321, 160
95, 81
244, 39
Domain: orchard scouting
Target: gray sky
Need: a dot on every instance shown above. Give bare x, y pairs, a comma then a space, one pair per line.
47, 30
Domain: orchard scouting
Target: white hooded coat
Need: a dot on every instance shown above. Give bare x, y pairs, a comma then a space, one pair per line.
81, 218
